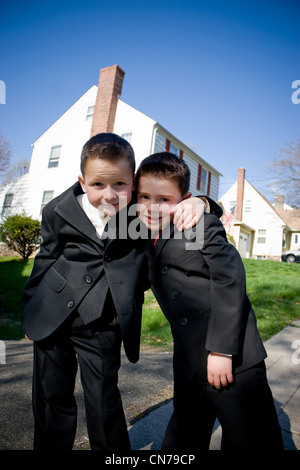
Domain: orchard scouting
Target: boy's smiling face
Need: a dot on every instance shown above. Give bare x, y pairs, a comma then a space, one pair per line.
108, 184
156, 197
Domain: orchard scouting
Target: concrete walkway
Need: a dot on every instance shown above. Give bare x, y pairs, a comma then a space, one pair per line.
146, 390
283, 369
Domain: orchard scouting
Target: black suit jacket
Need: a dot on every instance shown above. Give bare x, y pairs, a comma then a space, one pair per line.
202, 292
70, 268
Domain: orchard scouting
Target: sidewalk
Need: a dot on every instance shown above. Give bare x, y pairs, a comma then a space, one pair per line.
283, 369
146, 389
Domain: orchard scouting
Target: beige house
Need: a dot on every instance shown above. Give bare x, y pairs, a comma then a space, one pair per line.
261, 230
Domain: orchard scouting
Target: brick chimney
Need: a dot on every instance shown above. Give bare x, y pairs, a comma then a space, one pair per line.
109, 89
240, 193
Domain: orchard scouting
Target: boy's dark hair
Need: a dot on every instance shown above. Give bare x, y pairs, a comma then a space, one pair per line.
166, 165
107, 146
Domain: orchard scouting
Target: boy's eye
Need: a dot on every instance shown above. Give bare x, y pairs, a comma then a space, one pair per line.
98, 183
142, 196
119, 183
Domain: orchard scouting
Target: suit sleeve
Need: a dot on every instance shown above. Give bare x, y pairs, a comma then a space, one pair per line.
213, 207
227, 290
50, 250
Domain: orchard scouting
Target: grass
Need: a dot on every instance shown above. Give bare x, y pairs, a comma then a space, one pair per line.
13, 275
273, 289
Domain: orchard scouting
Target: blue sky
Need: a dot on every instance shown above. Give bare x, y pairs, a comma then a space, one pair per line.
217, 74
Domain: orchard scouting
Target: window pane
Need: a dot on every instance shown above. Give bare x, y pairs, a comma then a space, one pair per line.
47, 197
248, 206
127, 136
203, 181
90, 113
54, 156
174, 149
7, 203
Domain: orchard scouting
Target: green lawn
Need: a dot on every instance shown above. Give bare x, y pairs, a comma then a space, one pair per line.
273, 289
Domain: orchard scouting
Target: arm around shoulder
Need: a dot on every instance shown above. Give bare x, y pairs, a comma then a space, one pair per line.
227, 290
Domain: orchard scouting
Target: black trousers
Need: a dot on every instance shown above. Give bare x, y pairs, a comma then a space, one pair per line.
96, 348
245, 410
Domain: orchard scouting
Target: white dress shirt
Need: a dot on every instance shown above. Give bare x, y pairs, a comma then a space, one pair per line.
96, 216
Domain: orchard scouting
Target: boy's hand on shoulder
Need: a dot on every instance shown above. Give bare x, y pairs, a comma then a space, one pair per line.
188, 213
219, 370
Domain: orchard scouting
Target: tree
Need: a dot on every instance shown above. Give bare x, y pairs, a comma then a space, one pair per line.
286, 170
16, 170
21, 233
4, 155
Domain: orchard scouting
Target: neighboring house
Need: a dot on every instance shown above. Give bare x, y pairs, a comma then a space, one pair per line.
55, 162
261, 230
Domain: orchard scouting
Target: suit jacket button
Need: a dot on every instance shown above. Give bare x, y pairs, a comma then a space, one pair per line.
70, 303
107, 258
164, 270
174, 295
184, 321
88, 279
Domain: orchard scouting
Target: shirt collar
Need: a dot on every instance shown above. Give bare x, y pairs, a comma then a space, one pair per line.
98, 219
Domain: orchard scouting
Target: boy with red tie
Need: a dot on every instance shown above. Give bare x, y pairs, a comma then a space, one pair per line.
199, 281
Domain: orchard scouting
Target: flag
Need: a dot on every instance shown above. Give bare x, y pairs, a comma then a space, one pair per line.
228, 221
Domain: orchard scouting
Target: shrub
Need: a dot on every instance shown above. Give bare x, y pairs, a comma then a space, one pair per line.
21, 233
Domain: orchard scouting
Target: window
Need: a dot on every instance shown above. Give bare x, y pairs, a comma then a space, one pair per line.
7, 204
232, 206
248, 205
296, 239
90, 113
203, 181
127, 136
47, 196
54, 156
261, 236
174, 149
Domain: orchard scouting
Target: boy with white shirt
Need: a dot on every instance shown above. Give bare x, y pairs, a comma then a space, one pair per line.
85, 296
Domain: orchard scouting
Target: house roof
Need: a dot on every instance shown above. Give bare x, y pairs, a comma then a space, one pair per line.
290, 217
187, 149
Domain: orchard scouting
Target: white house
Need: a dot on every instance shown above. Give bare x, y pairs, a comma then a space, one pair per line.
55, 162
261, 230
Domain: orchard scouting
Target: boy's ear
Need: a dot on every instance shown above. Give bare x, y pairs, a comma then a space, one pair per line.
187, 196
82, 183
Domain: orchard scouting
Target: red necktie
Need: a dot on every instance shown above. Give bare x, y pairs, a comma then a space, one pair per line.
156, 238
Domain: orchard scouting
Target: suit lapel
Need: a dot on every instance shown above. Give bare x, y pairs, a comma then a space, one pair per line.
69, 209
155, 250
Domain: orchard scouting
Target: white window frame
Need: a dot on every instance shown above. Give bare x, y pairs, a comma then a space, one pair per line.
54, 156
248, 204
203, 181
261, 235
7, 203
127, 136
47, 197
174, 149
90, 113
